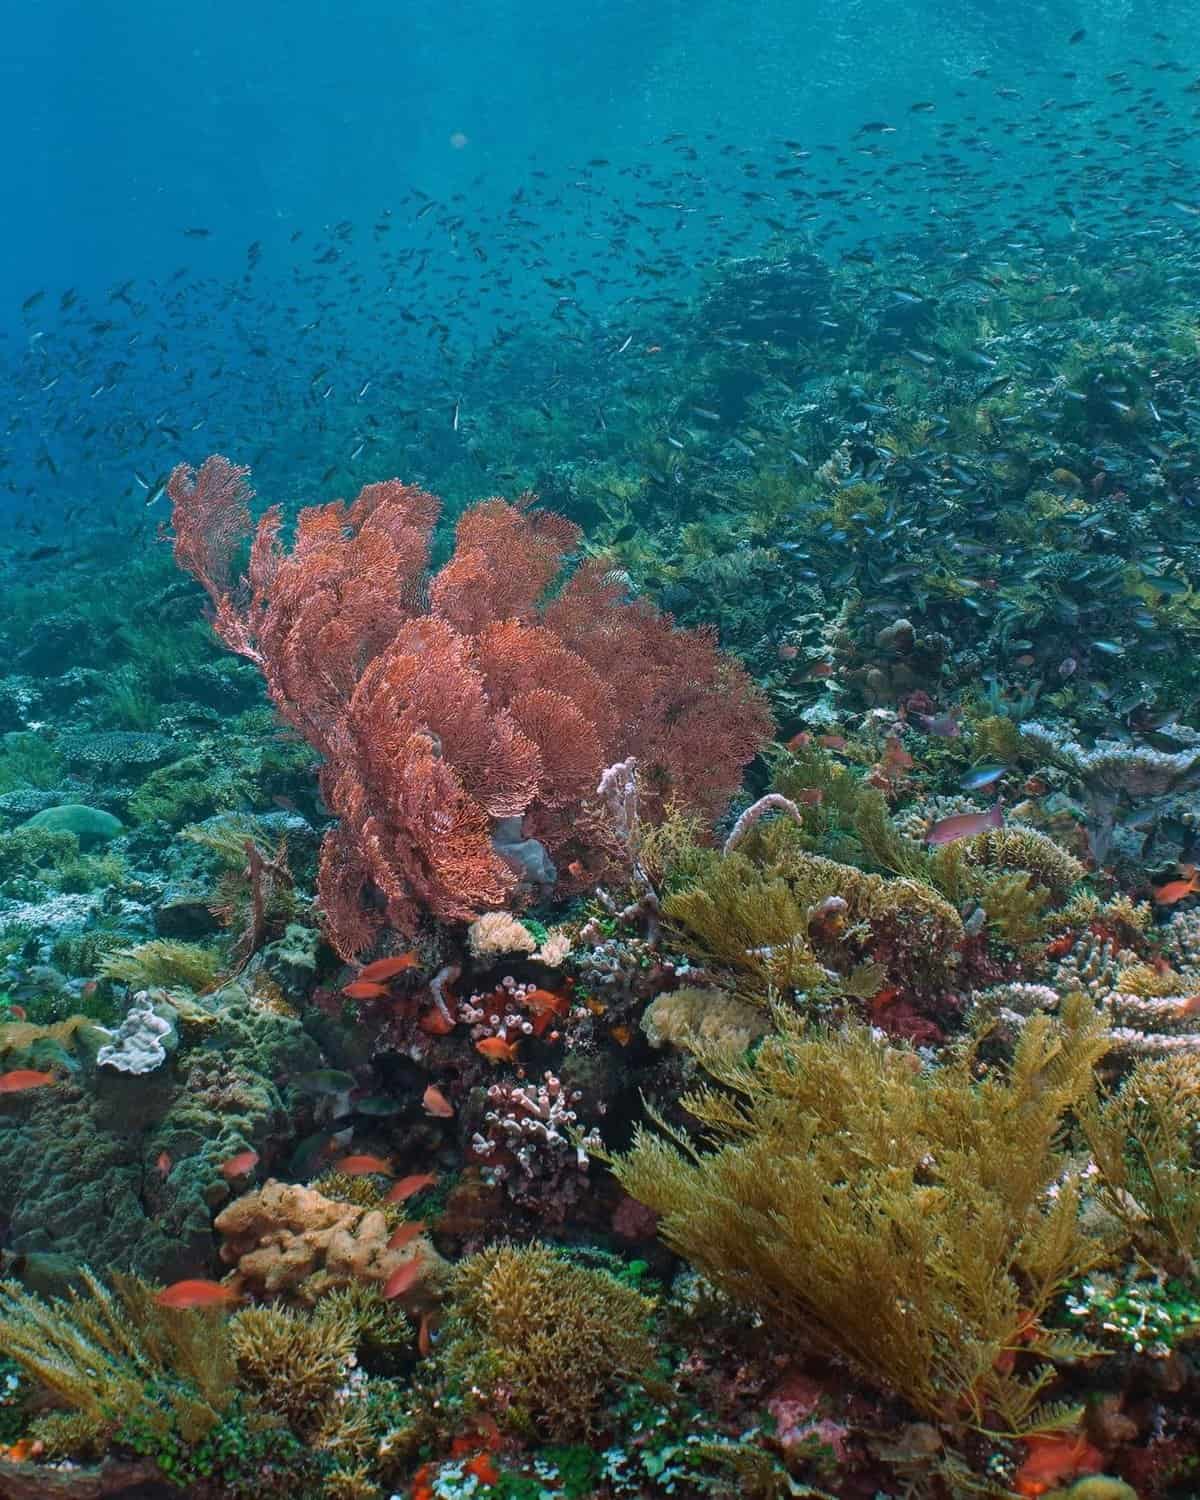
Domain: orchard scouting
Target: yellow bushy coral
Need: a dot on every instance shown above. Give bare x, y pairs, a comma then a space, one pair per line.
556, 1338
759, 913
163, 963
107, 1354
916, 1224
1144, 1141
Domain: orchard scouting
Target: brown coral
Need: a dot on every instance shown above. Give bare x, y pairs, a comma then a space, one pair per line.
443, 709
290, 1240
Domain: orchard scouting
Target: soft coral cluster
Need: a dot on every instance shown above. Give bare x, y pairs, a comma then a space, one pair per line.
447, 707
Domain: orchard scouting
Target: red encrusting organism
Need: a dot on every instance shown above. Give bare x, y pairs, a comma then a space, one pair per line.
462, 721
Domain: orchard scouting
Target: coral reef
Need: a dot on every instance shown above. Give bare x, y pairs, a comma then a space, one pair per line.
903, 1223
493, 710
543, 1342
286, 1239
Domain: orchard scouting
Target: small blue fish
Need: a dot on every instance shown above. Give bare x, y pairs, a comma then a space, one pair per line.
980, 777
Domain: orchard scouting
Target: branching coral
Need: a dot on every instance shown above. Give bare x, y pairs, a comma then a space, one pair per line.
916, 1224
794, 921
446, 708
105, 1354
1144, 1141
543, 1342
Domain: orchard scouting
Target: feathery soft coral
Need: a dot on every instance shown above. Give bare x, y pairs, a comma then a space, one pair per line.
446, 707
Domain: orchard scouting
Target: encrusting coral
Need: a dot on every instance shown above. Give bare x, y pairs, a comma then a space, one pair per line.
459, 741
290, 1239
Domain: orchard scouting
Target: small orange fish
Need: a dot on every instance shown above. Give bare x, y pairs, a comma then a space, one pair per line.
540, 1000
363, 989
163, 1163
810, 796
20, 1079
402, 1278
1053, 1457
483, 1468
388, 968
239, 1165
896, 756
832, 741
436, 1103
433, 1023
787, 652
798, 741
622, 1035
18, 1013
1061, 946
23, 1450
424, 1342
364, 1166
496, 1050
408, 1187
1176, 890
404, 1234
196, 1293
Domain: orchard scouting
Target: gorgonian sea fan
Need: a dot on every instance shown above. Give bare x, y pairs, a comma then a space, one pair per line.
458, 714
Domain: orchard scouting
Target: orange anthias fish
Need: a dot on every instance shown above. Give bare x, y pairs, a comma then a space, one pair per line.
239, 1165
364, 1166
402, 1278
436, 1103
404, 1234
21, 1079
965, 825
1053, 1457
546, 1000
408, 1187
163, 1163
896, 757
196, 1293
1176, 890
388, 968
433, 1023
363, 989
496, 1050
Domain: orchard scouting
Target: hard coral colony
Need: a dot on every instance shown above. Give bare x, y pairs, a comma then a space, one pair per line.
691, 990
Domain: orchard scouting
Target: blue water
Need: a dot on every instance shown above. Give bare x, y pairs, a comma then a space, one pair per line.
318, 134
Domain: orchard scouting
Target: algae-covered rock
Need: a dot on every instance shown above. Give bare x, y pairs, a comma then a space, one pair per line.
88, 824
123, 1171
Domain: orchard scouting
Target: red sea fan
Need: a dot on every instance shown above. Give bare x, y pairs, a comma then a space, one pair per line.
463, 725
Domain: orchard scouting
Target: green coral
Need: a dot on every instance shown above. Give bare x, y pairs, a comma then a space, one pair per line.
557, 1339
190, 790
163, 963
